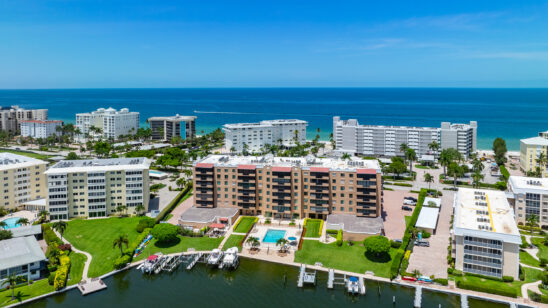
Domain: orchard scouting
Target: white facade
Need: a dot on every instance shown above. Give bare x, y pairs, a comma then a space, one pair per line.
530, 196
40, 129
379, 140
257, 135
486, 238
113, 123
11, 117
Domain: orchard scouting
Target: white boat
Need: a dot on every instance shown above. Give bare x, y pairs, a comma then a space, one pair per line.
230, 259
352, 285
151, 263
215, 257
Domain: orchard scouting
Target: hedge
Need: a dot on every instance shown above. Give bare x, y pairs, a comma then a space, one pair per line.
50, 237
339, 238
442, 281
173, 204
483, 276
539, 298
405, 260
332, 231
500, 289
62, 272
395, 266
524, 243
122, 261
505, 173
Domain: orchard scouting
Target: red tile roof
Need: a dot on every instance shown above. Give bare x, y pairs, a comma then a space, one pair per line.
247, 167
318, 169
366, 171
204, 165
281, 169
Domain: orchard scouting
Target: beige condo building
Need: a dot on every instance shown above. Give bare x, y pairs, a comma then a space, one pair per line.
98, 187
530, 149
289, 187
22, 179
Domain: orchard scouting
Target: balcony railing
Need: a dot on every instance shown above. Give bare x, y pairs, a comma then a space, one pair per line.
482, 244
486, 273
481, 253
483, 263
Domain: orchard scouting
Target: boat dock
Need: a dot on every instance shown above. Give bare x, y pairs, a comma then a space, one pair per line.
195, 260
464, 301
90, 286
306, 277
418, 297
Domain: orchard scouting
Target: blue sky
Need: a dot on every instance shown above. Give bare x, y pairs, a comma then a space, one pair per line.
98, 44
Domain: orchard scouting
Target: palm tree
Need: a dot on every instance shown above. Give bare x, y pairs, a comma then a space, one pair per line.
411, 156
478, 165
434, 146
22, 221
542, 160
403, 147
60, 226
282, 242
181, 182
455, 170
3, 225
43, 214
120, 242
428, 178
477, 177
346, 156
253, 241
11, 281
139, 208
532, 221
416, 273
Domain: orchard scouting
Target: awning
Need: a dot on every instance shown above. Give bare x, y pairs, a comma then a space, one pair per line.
152, 258
366, 171
247, 167
223, 219
218, 226
318, 169
281, 169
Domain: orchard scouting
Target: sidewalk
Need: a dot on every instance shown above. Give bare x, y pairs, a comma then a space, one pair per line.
88, 256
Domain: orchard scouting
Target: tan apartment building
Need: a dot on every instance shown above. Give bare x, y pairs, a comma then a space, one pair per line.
22, 179
529, 196
289, 187
98, 187
530, 149
485, 235
11, 117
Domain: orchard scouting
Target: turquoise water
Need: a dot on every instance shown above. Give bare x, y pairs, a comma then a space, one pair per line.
12, 222
253, 284
155, 172
273, 235
509, 113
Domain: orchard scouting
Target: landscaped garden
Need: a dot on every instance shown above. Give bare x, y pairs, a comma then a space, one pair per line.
542, 249
244, 224
526, 258
234, 241
25, 291
345, 257
313, 227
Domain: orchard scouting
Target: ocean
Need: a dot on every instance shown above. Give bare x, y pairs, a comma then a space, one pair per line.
512, 114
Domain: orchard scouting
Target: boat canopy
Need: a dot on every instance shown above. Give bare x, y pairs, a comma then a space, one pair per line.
152, 258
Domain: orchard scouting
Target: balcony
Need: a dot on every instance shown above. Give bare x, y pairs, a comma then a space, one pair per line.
281, 187
247, 192
204, 183
319, 209
246, 205
481, 253
483, 263
481, 244
244, 178
204, 196
475, 271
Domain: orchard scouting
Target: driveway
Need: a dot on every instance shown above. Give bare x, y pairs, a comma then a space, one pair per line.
185, 205
433, 260
392, 214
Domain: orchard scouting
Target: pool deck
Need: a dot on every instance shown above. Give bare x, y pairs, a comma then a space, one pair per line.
31, 216
260, 231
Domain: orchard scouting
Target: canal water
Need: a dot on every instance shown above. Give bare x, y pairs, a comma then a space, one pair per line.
253, 284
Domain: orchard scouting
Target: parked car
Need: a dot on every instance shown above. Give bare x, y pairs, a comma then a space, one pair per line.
422, 243
410, 198
406, 208
409, 202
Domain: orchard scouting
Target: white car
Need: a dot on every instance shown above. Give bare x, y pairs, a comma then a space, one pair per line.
409, 202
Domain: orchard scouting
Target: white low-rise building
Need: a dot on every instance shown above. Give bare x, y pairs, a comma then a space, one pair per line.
254, 136
112, 122
39, 128
486, 238
21, 256
529, 196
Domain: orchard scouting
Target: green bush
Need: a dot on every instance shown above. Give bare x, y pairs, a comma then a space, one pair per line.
500, 185
505, 173
145, 222
454, 272
51, 279
339, 238
165, 233
122, 261
442, 281
524, 243
395, 244
332, 231
539, 298
501, 289
395, 266
483, 276
425, 234
543, 262
377, 245
134, 244
61, 274
50, 237
545, 278
507, 278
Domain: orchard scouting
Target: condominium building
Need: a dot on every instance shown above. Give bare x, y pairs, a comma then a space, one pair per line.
11, 117
39, 128
293, 187
254, 136
379, 140
165, 128
98, 187
529, 196
485, 235
530, 150
112, 122
22, 179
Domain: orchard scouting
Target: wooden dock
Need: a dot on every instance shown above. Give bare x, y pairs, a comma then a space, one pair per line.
90, 286
418, 297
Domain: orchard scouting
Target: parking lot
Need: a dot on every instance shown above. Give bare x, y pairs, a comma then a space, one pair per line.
393, 215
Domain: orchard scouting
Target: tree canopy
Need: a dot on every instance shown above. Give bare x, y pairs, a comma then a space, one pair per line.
165, 233
377, 245
499, 147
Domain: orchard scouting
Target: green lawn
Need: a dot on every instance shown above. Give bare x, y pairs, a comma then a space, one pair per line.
28, 154
542, 249
313, 228
77, 261
198, 243
244, 224
233, 241
347, 258
526, 258
95, 237
25, 292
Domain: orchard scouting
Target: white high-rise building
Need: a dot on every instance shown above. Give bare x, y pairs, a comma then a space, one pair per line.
379, 140
11, 117
40, 129
257, 135
113, 123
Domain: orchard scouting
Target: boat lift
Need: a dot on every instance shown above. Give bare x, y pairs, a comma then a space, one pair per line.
306, 277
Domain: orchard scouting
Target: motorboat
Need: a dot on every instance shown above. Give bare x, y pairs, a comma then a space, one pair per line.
230, 259
352, 285
151, 263
215, 257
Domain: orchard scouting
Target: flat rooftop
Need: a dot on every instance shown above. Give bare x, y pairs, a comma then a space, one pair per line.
535, 141
428, 218
354, 224
173, 118
334, 164
109, 164
26, 230
487, 211
523, 184
20, 251
206, 215
266, 123
10, 160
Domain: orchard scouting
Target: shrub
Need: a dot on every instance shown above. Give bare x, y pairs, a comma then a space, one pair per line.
52, 268
500, 185
377, 245
395, 244
133, 245
405, 260
51, 278
65, 247
539, 298
332, 231
454, 272
543, 262
501, 289
442, 281
483, 276
268, 221
507, 278
122, 261
395, 266
165, 233
145, 222
425, 234
545, 278
50, 237
5, 235
61, 274
524, 243
339, 238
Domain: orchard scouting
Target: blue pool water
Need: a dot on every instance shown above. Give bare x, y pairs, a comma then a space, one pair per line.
12, 222
272, 236
155, 172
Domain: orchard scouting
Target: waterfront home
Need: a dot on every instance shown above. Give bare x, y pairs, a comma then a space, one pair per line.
40, 128
22, 256
112, 122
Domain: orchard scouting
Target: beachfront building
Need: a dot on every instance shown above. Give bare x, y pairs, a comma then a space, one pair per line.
165, 128
40, 128
111, 122
21, 256
11, 117
379, 140
289, 187
529, 196
485, 235
97, 187
530, 151
254, 136
22, 179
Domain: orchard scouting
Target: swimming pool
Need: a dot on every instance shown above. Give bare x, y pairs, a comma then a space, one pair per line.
155, 172
272, 236
12, 222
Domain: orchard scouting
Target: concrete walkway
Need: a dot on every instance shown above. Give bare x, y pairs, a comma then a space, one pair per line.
529, 266
88, 256
532, 251
180, 209
533, 286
